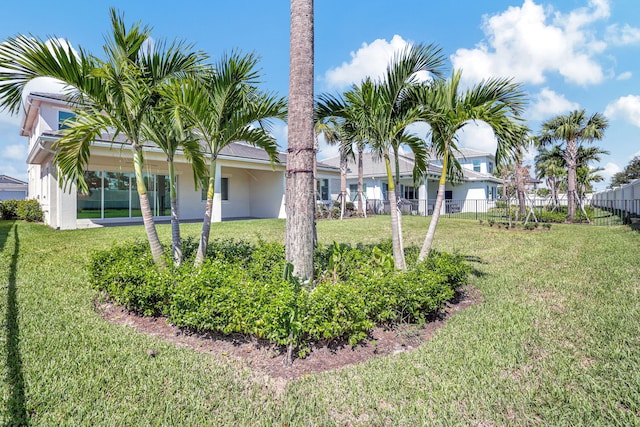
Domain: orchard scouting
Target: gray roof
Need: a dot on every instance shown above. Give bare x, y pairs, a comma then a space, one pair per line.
374, 167
239, 150
5, 179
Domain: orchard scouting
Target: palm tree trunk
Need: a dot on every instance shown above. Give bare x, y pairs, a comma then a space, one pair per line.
300, 206
145, 208
396, 237
571, 157
176, 244
431, 232
208, 212
343, 182
361, 207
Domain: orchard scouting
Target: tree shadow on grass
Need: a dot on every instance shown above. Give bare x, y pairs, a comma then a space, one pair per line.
16, 409
471, 260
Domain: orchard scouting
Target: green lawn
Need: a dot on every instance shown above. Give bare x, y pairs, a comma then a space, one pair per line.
555, 342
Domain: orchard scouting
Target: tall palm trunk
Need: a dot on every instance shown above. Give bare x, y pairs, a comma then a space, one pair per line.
396, 237
176, 244
431, 232
145, 208
520, 186
361, 207
208, 213
571, 157
343, 182
300, 206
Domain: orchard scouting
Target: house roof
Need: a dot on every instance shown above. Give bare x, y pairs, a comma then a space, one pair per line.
374, 168
238, 150
5, 179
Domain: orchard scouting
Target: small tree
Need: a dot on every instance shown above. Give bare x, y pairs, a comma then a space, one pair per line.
572, 130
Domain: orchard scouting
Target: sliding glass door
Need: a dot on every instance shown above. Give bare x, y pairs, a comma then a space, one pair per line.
114, 195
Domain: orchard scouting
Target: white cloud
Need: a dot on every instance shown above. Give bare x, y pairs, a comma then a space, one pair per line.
626, 108
477, 136
548, 103
626, 35
9, 119
280, 132
370, 60
625, 76
530, 41
609, 170
15, 152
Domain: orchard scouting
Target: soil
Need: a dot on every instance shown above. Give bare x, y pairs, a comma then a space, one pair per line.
267, 359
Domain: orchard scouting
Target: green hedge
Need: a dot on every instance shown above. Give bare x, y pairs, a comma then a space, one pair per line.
241, 289
28, 210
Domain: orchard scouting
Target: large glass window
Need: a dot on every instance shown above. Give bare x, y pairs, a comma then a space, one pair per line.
115, 195
90, 204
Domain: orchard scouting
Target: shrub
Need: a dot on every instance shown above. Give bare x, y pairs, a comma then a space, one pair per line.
244, 288
28, 210
128, 275
9, 209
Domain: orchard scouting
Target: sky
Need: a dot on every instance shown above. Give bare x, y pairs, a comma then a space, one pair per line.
569, 54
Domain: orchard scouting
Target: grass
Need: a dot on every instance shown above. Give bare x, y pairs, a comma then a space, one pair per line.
555, 341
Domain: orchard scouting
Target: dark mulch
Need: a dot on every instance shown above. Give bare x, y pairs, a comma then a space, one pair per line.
267, 359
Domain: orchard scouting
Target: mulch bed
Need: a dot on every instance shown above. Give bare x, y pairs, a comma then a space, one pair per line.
267, 359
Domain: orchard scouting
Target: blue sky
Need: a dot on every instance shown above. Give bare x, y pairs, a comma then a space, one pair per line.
569, 54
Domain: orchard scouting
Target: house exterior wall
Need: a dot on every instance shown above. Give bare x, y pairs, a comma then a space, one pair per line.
256, 188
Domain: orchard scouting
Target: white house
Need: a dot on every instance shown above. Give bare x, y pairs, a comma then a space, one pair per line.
12, 188
477, 183
247, 184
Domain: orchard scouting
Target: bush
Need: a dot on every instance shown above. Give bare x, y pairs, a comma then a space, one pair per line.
244, 288
9, 209
127, 274
28, 210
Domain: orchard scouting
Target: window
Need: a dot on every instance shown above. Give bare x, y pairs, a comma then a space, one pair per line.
490, 167
62, 117
409, 192
353, 191
323, 189
476, 165
114, 195
385, 191
224, 189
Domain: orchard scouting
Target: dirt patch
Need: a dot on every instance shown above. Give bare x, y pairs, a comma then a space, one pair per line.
267, 359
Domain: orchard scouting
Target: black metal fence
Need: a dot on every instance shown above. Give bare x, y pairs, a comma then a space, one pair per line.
604, 213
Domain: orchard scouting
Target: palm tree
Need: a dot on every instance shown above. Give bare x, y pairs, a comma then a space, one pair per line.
300, 187
382, 111
549, 164
497, 102
572, 130
110, 95
222, 107
339, 133
171, 135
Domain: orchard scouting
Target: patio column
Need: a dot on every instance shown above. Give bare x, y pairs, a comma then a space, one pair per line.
216, 215
423, 198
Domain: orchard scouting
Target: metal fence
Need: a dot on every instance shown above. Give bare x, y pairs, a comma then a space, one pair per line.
594, 211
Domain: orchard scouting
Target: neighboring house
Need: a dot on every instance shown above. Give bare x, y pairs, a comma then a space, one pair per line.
477, 183
247, 184
12, 188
